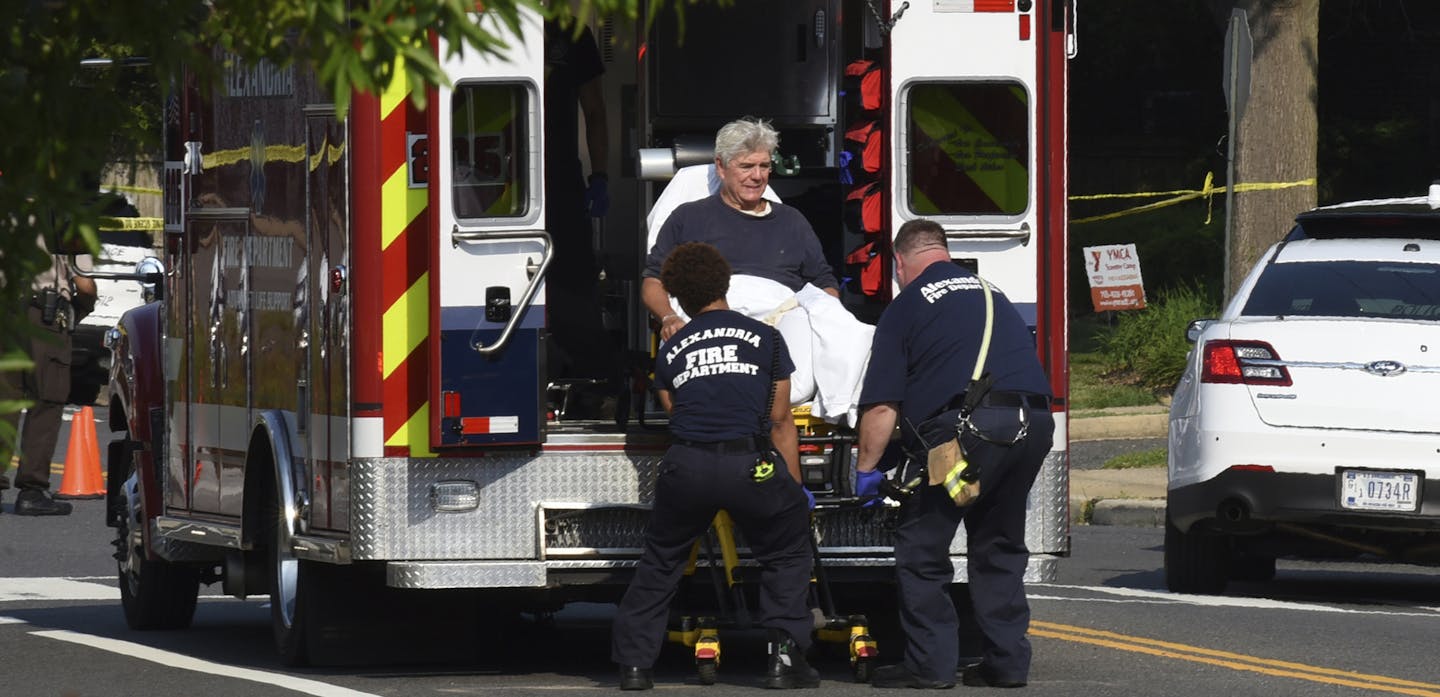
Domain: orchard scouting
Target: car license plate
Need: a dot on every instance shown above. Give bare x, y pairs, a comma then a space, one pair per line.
1372, 490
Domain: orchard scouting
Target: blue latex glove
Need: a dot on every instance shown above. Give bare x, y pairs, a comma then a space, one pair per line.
597, 195
809, 496
868, 484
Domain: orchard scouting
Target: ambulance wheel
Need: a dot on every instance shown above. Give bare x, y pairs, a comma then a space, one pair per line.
292, 594
155, 594
708, 670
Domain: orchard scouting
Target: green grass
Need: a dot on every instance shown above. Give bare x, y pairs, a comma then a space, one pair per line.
1134, 358
1149, 345
1144, 458
1092, 387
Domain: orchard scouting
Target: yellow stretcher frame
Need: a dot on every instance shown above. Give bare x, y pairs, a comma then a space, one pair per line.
702, 632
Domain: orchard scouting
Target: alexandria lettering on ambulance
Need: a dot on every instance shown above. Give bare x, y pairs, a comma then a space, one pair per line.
713, 360
935, 291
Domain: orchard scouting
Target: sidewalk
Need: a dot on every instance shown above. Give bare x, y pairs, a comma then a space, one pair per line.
1131, 497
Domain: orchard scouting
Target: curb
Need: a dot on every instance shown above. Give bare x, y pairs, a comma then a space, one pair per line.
1132, 513
1115, 426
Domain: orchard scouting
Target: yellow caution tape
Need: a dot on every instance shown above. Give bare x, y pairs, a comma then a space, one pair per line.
133, 189
113, 224
1207, 191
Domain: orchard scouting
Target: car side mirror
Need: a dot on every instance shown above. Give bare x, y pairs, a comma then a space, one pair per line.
1196, 328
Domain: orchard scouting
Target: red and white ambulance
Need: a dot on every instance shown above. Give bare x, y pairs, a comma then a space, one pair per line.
346, 372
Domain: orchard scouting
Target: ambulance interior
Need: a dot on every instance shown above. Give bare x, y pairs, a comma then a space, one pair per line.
666, 97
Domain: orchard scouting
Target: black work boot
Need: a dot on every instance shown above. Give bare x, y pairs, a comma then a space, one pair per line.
39, 502
788, 667
632, 678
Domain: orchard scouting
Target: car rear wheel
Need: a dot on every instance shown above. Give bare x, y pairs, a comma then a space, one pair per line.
1196, 561
1253, 568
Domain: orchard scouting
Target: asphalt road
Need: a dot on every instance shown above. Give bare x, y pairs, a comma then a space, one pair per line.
1092, 454
1105, 627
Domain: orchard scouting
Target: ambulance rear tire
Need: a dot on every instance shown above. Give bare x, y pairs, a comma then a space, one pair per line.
293, 598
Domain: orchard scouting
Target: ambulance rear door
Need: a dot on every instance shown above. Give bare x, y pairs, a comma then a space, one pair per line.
492, 250
963, 130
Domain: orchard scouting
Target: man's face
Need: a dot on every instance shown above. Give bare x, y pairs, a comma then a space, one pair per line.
743, 179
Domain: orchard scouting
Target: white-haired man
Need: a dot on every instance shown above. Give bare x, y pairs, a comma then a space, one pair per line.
758, 237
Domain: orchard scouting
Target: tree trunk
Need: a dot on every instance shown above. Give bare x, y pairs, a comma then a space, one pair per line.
1276, 142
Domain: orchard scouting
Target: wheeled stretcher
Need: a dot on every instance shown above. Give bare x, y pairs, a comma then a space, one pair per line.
825, 453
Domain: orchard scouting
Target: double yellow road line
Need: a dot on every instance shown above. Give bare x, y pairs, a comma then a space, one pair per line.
1233, 661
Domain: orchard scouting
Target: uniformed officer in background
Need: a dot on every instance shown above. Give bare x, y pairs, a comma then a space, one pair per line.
714, 378
924, 354
57, 301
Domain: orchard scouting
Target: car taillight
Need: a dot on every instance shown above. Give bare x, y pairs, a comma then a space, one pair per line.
1242, 362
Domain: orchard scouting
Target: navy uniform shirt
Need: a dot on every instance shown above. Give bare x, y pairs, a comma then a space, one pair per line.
779, 245
927, 341
718, 371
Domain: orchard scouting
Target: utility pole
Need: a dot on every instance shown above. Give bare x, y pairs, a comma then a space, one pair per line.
1239, 51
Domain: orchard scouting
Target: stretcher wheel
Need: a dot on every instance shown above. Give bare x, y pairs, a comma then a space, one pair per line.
863, 669
707, 670
863, 650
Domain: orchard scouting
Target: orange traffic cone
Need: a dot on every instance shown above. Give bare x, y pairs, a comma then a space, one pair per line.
83, 479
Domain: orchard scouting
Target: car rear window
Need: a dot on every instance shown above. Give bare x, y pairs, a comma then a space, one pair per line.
1347, 289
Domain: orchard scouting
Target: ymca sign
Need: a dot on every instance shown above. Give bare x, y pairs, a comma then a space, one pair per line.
1114, 273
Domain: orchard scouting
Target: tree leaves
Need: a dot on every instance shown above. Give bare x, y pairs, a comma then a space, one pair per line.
65, 122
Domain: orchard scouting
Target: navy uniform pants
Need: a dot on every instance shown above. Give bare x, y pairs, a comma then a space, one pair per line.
997, 556
48, 384
773, 516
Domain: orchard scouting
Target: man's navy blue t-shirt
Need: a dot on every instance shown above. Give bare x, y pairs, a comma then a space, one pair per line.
928, 339
779, 245
718, 371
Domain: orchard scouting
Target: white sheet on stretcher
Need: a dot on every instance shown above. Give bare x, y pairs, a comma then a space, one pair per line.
814, 323
828, 346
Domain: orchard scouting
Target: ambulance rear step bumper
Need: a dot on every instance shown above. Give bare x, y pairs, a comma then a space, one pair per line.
542, 574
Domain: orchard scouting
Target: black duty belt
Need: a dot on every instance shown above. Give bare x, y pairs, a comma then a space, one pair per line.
1016, 399
38, 300
746, 444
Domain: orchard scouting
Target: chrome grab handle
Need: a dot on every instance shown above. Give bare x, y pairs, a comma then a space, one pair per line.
1023, 234
457, 236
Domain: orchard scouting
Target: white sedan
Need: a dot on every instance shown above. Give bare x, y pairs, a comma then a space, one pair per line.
1307, 422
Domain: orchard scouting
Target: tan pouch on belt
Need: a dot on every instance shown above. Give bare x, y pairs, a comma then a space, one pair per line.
945, 464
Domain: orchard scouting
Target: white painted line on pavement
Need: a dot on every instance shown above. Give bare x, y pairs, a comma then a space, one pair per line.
50, 588
1149, 596
183, 662
11, 620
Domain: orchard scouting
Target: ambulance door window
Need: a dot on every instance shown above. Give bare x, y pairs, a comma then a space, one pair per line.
488, 141
968, 148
